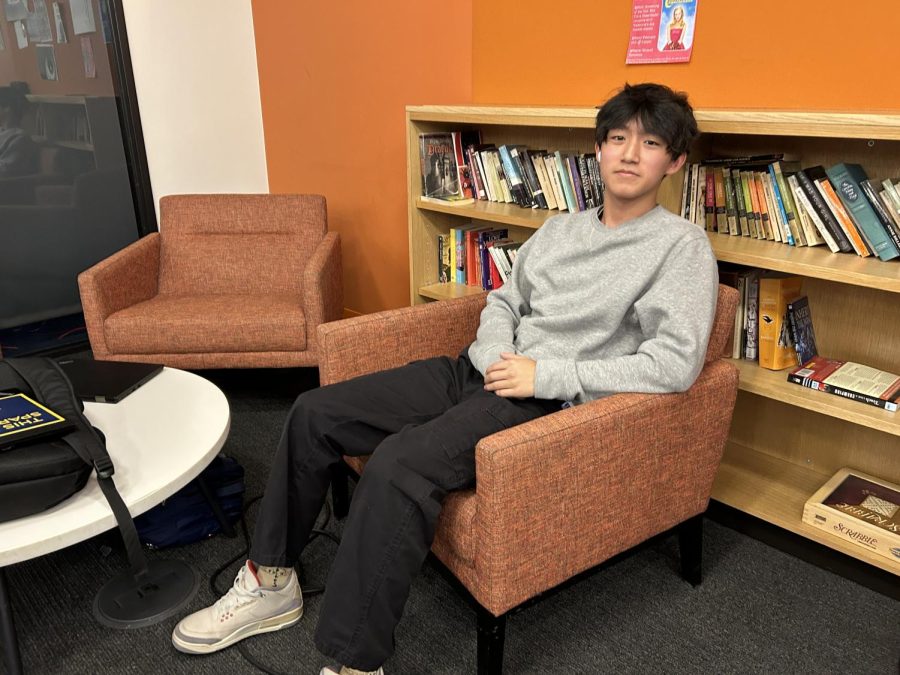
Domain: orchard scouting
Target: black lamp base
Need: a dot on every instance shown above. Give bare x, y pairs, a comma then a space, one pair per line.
125, 602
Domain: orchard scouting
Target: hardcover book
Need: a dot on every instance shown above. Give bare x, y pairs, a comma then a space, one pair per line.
858, 508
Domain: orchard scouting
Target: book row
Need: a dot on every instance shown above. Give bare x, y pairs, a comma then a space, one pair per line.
767, 197
457, 167
774, 326
476, 256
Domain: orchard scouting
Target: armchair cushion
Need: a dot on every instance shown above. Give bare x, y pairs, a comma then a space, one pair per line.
256, 244
208, 323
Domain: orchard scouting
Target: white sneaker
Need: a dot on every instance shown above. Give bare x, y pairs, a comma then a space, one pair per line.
245, 610
350, 671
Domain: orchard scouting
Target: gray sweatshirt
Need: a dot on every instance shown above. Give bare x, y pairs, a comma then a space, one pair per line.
605, 310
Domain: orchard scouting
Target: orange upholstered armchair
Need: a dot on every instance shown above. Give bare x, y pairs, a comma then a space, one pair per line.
561, 494
230, 281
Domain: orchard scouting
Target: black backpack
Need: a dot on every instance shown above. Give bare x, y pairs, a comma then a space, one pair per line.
39, 474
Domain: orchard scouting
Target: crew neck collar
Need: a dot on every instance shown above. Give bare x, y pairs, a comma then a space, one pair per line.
599, 223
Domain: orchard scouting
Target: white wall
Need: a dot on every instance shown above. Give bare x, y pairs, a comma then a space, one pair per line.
197, 85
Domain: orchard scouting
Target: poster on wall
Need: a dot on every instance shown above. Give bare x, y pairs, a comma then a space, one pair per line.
16, 10
82, 17
38, 23
662, 31
46, 59
21, 35
61, 36
87, 56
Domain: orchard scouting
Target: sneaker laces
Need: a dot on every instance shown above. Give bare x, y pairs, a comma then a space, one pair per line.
237, 595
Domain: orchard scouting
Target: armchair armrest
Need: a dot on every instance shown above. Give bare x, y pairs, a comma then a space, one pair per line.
125, 278
562, 493
323, 290
366, 344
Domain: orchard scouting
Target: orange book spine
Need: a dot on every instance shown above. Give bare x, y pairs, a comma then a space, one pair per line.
843, 218
764, 216
775, 348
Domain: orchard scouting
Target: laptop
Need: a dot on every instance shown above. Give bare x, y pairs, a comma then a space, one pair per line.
106, 381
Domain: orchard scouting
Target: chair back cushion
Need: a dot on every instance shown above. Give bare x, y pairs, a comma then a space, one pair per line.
723, 324
253, 244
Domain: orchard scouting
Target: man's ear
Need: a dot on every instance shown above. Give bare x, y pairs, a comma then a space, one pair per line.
676, 164
597, 150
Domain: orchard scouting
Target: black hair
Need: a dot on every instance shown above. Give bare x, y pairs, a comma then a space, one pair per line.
662, 112
12, 96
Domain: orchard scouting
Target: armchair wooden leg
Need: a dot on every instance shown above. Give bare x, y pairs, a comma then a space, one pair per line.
690, 545
491, 633
340, 495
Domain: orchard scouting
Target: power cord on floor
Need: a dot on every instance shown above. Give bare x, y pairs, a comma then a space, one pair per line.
307, 592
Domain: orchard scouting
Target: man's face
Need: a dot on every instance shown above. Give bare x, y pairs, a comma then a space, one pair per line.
447, 166
634, 162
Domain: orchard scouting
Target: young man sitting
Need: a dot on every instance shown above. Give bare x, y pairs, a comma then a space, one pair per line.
616, 299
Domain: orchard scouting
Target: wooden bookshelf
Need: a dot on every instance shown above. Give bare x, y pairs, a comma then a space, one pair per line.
785, 440
775, 491
87, 124
773, 384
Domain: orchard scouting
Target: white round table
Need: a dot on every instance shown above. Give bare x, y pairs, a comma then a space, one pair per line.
160, 437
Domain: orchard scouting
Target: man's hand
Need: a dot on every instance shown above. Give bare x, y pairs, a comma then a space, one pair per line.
511, 377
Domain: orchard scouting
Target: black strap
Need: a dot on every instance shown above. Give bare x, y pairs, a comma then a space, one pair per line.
87, 443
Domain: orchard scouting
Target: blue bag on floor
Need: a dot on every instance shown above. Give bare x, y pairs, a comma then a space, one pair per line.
186, 516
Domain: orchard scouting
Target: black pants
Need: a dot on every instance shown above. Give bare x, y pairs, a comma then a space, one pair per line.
421, 423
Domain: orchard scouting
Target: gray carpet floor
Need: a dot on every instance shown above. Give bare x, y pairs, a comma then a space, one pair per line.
758, 609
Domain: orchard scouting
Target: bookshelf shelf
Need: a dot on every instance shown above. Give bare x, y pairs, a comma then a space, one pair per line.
743, 122
775, 490
448, 291
508, 214
773, 384
816, 261
88, 124
785, 441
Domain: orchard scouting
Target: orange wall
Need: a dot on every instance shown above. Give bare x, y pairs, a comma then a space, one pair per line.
335, 78
756, 55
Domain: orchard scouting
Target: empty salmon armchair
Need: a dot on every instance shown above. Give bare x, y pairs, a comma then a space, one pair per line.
229, 281
561, 494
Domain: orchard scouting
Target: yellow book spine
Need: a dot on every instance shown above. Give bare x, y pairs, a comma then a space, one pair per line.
775, 349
